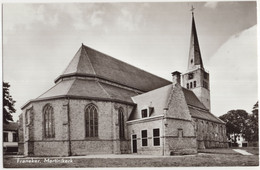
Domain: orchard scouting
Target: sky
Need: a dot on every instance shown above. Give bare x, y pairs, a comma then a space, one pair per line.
39, 40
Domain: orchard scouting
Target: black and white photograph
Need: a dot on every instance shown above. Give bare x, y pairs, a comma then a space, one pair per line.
129, 84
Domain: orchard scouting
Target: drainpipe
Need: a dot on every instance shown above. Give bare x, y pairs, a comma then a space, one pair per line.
69, 137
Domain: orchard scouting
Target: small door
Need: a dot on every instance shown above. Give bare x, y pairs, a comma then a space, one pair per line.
134, 143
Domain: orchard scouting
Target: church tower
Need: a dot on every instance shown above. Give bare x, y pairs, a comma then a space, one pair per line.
196, 77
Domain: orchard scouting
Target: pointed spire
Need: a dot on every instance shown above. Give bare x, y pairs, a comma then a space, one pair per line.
192, 9
195, 60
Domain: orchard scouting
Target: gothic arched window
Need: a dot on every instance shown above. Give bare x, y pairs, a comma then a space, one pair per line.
121, 123
48, 123
91, 120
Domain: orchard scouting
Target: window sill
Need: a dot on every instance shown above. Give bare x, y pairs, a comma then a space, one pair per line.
50, 138
123, 139
157, 146
92, 138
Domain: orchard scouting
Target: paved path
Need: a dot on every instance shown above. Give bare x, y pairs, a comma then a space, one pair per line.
243, 152
102, 156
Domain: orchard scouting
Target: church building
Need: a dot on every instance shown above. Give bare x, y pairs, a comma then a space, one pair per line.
101, 105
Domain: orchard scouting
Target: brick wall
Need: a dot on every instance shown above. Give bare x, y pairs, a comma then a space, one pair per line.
20, 135
51, 148
180, 137
108, 131
135, 128
209, 134
177, 106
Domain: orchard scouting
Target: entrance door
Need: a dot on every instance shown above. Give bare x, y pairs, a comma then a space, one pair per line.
134, 143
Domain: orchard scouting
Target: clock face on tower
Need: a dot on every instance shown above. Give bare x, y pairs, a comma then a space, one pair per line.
190, 76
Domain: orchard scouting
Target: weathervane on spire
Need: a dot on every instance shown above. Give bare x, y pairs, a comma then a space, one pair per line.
192, 9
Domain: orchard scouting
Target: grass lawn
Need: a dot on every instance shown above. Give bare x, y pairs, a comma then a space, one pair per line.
201, 159
253, 150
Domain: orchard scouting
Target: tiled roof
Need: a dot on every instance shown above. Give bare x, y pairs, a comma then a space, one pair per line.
89, 88
11, 126
119, 93
203, 114
59, 89
192, 99
88, 61
198, 110
159, 98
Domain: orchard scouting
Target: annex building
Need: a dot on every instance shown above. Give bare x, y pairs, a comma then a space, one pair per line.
100, 105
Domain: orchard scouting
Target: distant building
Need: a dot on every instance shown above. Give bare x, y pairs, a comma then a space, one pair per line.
10, 137
238, 140
100, 105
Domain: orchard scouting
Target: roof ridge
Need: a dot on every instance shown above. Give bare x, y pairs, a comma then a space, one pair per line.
124, 62
104, 89
185, 98
196, 98
216, 117
71, 86
121, 87
71, 61
206, 111
169, 99
48, 90
151, 91
198, 107
88, 59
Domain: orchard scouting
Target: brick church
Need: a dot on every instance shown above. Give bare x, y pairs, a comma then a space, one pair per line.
101, 105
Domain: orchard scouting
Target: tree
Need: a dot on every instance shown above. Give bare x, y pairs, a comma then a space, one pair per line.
8, 104
255, 108
236, 122
254, 123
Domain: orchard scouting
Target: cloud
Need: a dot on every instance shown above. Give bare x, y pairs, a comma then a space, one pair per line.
234, 83
212, 5
96, 18
21, 15
131, 18
126, 20
48, 16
